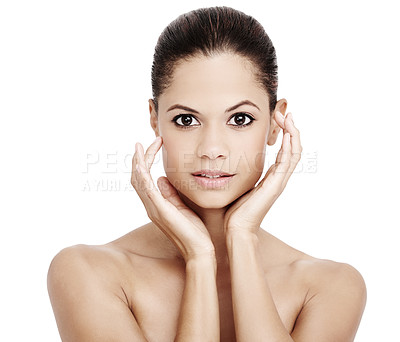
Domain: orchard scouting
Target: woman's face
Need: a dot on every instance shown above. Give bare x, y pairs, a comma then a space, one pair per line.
214, 116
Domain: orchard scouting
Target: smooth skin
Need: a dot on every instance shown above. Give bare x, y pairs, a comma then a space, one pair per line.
203, 269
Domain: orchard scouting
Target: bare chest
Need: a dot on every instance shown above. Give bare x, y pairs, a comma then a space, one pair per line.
156, 294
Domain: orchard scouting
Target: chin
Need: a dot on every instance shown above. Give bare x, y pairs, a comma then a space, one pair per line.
206, 202
211, 199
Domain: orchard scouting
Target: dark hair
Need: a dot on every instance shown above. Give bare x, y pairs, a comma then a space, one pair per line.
214, 30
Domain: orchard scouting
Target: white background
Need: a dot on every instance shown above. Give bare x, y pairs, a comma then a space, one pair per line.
74, 85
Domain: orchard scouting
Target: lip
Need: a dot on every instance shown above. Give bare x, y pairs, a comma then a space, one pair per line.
221, 178
211, 173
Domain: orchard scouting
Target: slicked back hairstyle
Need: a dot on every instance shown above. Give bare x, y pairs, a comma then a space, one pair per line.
209, 31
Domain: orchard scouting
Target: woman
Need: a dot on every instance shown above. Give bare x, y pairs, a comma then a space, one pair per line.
203, 269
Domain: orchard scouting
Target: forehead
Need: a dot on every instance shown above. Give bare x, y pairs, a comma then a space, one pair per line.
217, 81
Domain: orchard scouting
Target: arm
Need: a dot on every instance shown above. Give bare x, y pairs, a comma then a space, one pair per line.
255, 315
88, 306
331, 313
199, 315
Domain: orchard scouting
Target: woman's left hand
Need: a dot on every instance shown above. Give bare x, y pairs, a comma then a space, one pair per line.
248, 211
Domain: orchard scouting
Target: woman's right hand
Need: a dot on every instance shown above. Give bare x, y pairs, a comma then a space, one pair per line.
166, 209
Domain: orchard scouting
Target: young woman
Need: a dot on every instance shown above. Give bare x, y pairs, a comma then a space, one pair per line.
203, 269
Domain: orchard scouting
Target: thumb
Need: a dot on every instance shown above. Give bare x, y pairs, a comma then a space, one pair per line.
169, 192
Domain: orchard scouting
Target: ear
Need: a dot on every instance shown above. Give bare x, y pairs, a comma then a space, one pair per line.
153, 117
274, 128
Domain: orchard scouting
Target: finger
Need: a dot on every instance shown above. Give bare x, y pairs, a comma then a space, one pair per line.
270, 187
295, 135
283, 123
152, 151
134, 163
148, 192
148, 187
159, 209
274, 180
280, 119
284, 151
283, 163
139, 180
136, 160
296, 146
144, 176
276, 174
136, 178
169, 192
140, 156
279, 156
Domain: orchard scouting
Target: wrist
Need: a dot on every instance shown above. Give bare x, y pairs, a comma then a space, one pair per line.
202, 260
241, 233
244, 229
249, 238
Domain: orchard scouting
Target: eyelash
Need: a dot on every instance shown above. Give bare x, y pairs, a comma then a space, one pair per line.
176, 118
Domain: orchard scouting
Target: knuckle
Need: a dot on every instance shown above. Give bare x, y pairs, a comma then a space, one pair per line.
134, 182
150, 215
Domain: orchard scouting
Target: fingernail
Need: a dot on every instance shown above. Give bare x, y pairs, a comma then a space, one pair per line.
157, 139
280, 114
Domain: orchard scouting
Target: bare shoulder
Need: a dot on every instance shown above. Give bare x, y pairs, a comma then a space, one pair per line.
83, 268
115, 265
317, 274
86, 289
324, 275
101, 259
334, 303
95, 259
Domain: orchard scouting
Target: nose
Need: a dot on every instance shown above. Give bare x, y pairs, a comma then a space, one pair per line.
212, 144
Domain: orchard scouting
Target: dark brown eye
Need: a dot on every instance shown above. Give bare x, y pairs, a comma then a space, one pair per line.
241, 120
185, 120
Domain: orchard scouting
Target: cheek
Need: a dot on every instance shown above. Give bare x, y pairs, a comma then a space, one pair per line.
258, 148
176, 159
259, 159
251, 154
250, 164
170, 151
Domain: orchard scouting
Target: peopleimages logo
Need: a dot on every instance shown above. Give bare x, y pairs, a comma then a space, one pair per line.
111, 171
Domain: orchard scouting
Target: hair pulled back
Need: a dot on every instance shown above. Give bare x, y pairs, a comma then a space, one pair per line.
207, 31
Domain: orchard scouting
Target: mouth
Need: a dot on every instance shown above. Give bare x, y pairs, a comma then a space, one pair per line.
211, 179
211, 174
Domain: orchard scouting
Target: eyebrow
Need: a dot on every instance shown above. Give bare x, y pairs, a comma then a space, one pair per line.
241, 103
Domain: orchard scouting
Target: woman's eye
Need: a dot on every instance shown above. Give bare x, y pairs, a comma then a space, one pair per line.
241, 120
184, 120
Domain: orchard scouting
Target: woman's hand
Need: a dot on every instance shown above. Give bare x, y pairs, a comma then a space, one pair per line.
166, 209
248, 211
